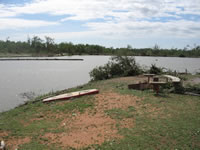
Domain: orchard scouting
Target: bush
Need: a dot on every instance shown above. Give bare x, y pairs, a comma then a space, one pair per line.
100, 73
193, 88
117, 67
155, 70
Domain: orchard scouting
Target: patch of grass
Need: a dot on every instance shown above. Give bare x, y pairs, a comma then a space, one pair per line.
123, 89
17, 121
35, 128
37, 146
79, 104
117, 113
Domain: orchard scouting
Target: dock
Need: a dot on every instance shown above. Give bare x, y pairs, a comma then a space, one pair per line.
39, 59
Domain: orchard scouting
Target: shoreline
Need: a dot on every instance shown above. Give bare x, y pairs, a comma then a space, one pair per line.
192, 79
56, 55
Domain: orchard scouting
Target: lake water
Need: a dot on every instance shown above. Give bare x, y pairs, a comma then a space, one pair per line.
39, 77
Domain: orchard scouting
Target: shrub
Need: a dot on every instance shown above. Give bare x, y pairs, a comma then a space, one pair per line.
117, 67
100, 73
193, 88
155, 70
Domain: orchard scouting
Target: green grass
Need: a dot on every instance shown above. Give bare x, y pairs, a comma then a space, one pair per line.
175, 123
176, 126
35, 145
117, 113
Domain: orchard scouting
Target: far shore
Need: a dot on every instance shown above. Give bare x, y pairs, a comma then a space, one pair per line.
3, 55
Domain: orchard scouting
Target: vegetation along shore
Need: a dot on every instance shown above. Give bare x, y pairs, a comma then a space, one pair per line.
115, 118
35, 46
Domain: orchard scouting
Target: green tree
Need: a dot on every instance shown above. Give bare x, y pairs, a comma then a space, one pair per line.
37, 44
50, 45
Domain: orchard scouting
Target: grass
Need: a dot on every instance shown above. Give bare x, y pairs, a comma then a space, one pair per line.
176, 126
160, 122
14, 55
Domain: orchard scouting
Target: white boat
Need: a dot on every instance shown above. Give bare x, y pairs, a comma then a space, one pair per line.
71, 95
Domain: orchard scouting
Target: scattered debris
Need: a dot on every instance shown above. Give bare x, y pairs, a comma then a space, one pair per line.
192, 94
139, 86
3, 145
28, 95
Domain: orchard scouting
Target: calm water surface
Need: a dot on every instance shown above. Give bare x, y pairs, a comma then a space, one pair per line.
38, 77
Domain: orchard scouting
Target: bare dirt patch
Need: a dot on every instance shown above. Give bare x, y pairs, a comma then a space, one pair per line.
110, 100
85, 129
3, 134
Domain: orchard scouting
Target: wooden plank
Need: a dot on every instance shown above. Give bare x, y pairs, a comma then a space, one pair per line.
157, 83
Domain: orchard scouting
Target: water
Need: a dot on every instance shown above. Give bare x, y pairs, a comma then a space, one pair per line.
39, 77
174, 63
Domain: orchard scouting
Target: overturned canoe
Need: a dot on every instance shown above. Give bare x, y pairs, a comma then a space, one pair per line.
71, 95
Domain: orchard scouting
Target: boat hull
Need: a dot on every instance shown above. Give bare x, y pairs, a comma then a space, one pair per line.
71, 95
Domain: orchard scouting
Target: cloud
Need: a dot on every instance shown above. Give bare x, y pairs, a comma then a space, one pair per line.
91, 9
14, 23
130, 30
118, 18
136, 29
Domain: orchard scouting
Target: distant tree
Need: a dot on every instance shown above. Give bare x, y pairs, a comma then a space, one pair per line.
29, 40
7, 39
156, 47
37, 43
129, 47
50, 45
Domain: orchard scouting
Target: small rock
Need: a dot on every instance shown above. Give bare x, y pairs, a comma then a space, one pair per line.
73, 114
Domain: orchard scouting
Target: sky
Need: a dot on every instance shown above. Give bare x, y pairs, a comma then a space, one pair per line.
110, 23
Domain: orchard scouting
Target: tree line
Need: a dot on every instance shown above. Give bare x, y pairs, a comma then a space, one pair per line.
47, 47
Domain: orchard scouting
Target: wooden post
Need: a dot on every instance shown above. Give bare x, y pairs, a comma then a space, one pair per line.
156, 88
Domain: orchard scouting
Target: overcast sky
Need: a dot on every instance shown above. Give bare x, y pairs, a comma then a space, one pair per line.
117, 23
